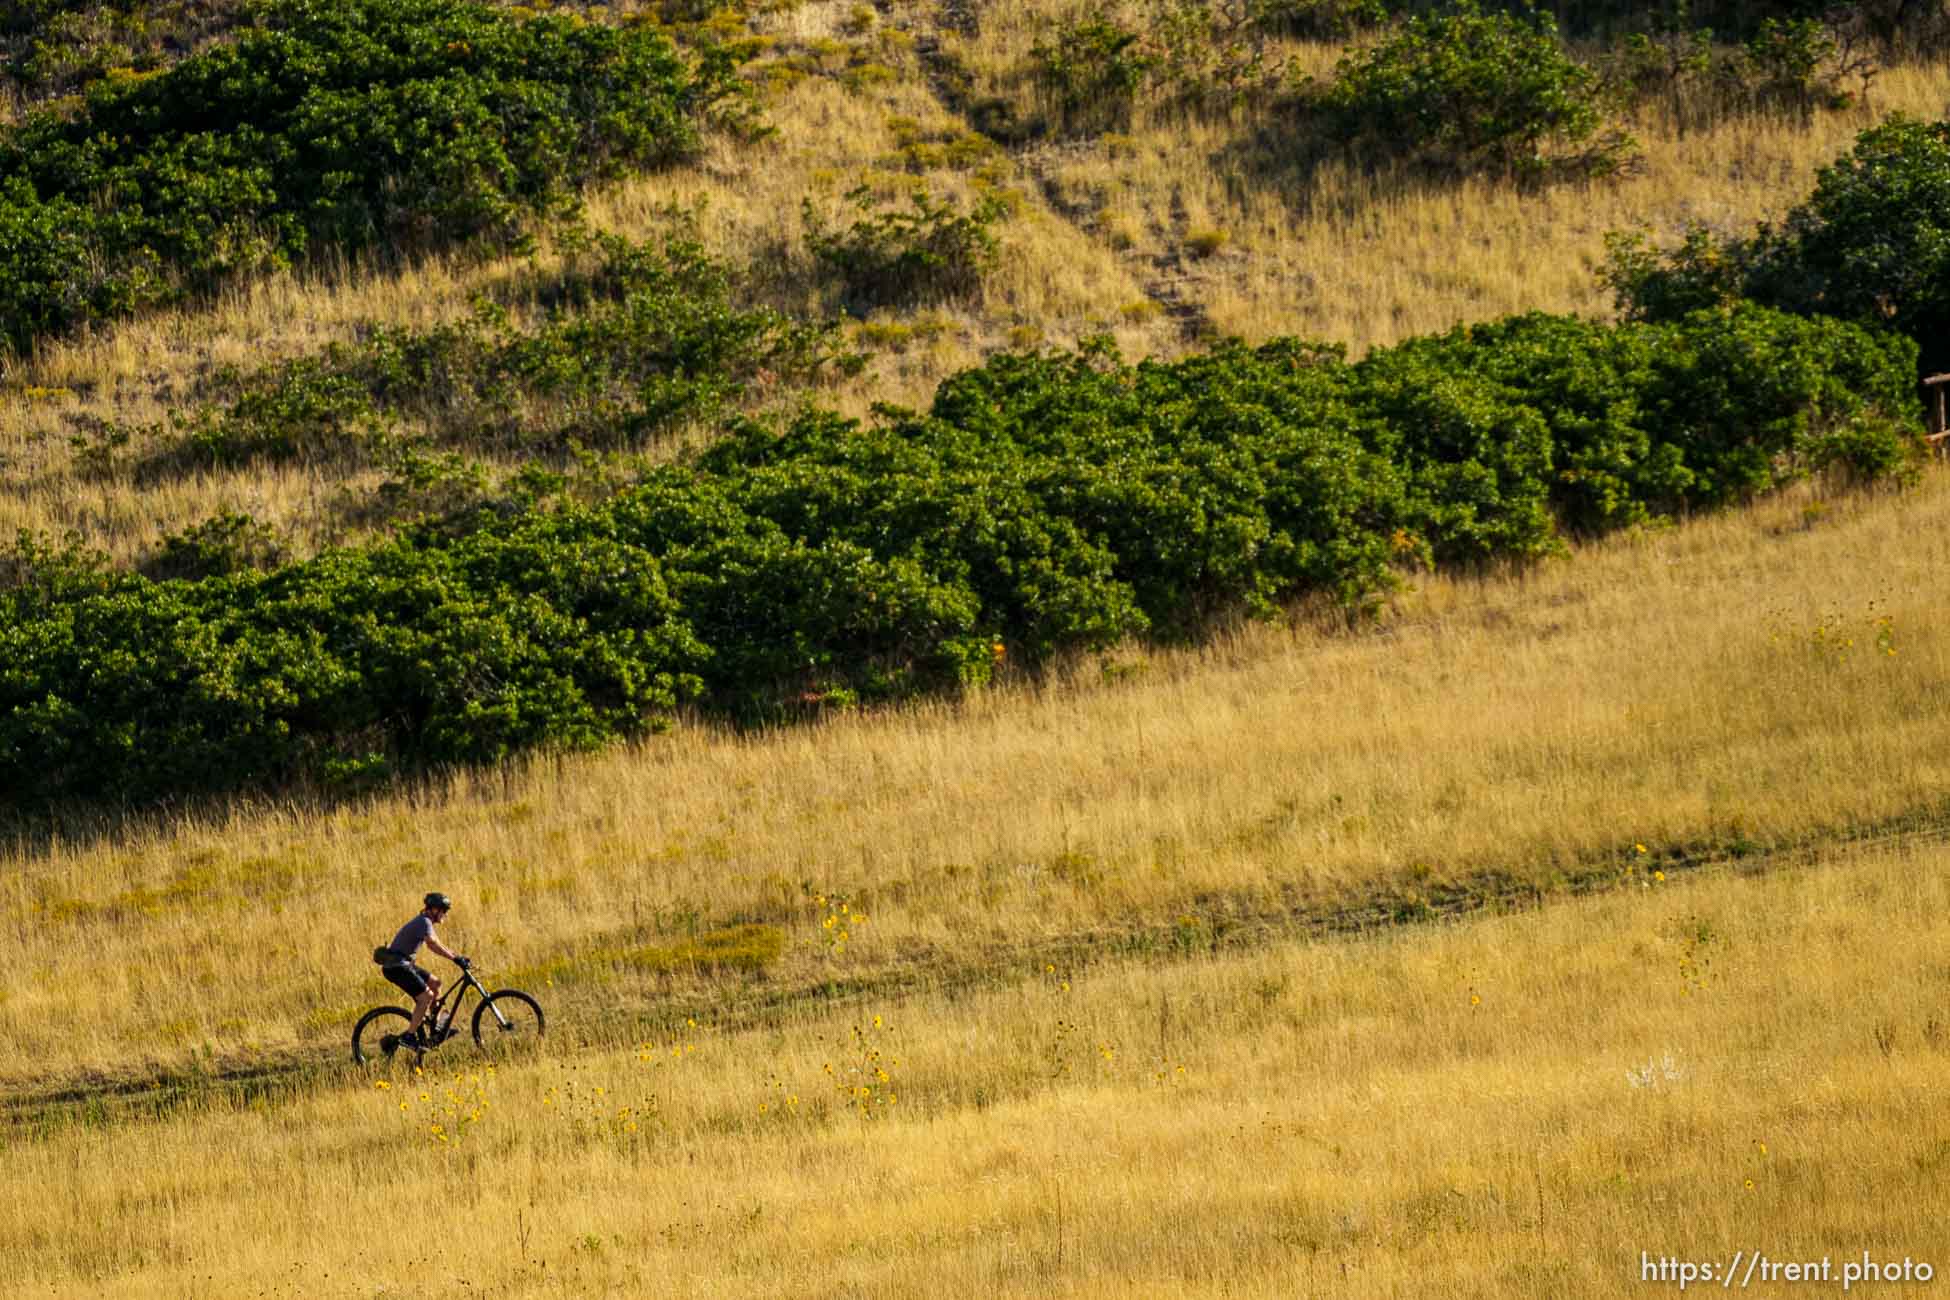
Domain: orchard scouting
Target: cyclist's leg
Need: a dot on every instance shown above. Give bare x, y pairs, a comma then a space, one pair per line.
424, 1003
416, 984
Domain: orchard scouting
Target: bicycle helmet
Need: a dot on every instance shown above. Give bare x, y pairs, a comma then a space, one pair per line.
439, 900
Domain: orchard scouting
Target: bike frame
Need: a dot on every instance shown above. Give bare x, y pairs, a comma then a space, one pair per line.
443, 1020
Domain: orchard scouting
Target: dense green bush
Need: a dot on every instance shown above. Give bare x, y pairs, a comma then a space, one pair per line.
346, 123
1894, 28
1043, 503
1473, 92
1213, 57
57, 47
1646, 421
120, 687
1789, 62
1221, 482
1871, 244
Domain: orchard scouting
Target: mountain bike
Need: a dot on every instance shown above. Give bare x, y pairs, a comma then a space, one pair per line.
507, 1021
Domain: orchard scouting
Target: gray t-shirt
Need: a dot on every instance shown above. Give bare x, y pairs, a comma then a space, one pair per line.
411, 936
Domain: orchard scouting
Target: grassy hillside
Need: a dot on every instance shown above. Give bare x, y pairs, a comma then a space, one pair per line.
1766, 682
1567, 901
1523, 1105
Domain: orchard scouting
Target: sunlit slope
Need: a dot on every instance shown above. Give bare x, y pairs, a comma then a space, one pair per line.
1554, 921
1524, 1105
1772, 679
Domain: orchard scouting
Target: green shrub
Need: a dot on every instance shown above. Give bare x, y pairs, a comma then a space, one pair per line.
128, 689
1660, 420
226, 543
1092, 71
43, 571
1089, 70
1795, 66
305, 408
929, 253
1473, 92
1045, 503
352, 124
1897, 26
50, 48
1894, 28
1649, 284
1871, 244
1211, 58
1791, 65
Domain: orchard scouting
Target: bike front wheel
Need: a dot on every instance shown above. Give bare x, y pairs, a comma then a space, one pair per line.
508, 1021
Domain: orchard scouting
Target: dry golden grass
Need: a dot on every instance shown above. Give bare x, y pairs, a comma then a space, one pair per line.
1518, 1105
1511, 1106
1366, 257
1724, 685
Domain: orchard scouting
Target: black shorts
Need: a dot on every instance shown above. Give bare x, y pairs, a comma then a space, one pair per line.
409, 977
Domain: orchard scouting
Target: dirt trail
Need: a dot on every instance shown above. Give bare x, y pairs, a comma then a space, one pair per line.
1166, 277
1223, 923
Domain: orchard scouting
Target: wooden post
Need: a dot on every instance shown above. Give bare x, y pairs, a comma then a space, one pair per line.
1940, 418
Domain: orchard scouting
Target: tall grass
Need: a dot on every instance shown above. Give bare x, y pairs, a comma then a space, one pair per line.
1691, 1064
1508, 1106
1370, 256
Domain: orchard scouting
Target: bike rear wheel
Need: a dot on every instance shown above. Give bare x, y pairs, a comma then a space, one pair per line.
367, 1049
507, 1022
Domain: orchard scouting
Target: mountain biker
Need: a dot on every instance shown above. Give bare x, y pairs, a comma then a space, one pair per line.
396, 964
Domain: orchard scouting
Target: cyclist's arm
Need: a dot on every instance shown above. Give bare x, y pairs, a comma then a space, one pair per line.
440, 949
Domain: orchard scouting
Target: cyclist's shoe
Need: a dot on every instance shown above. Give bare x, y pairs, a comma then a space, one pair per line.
413, 1040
